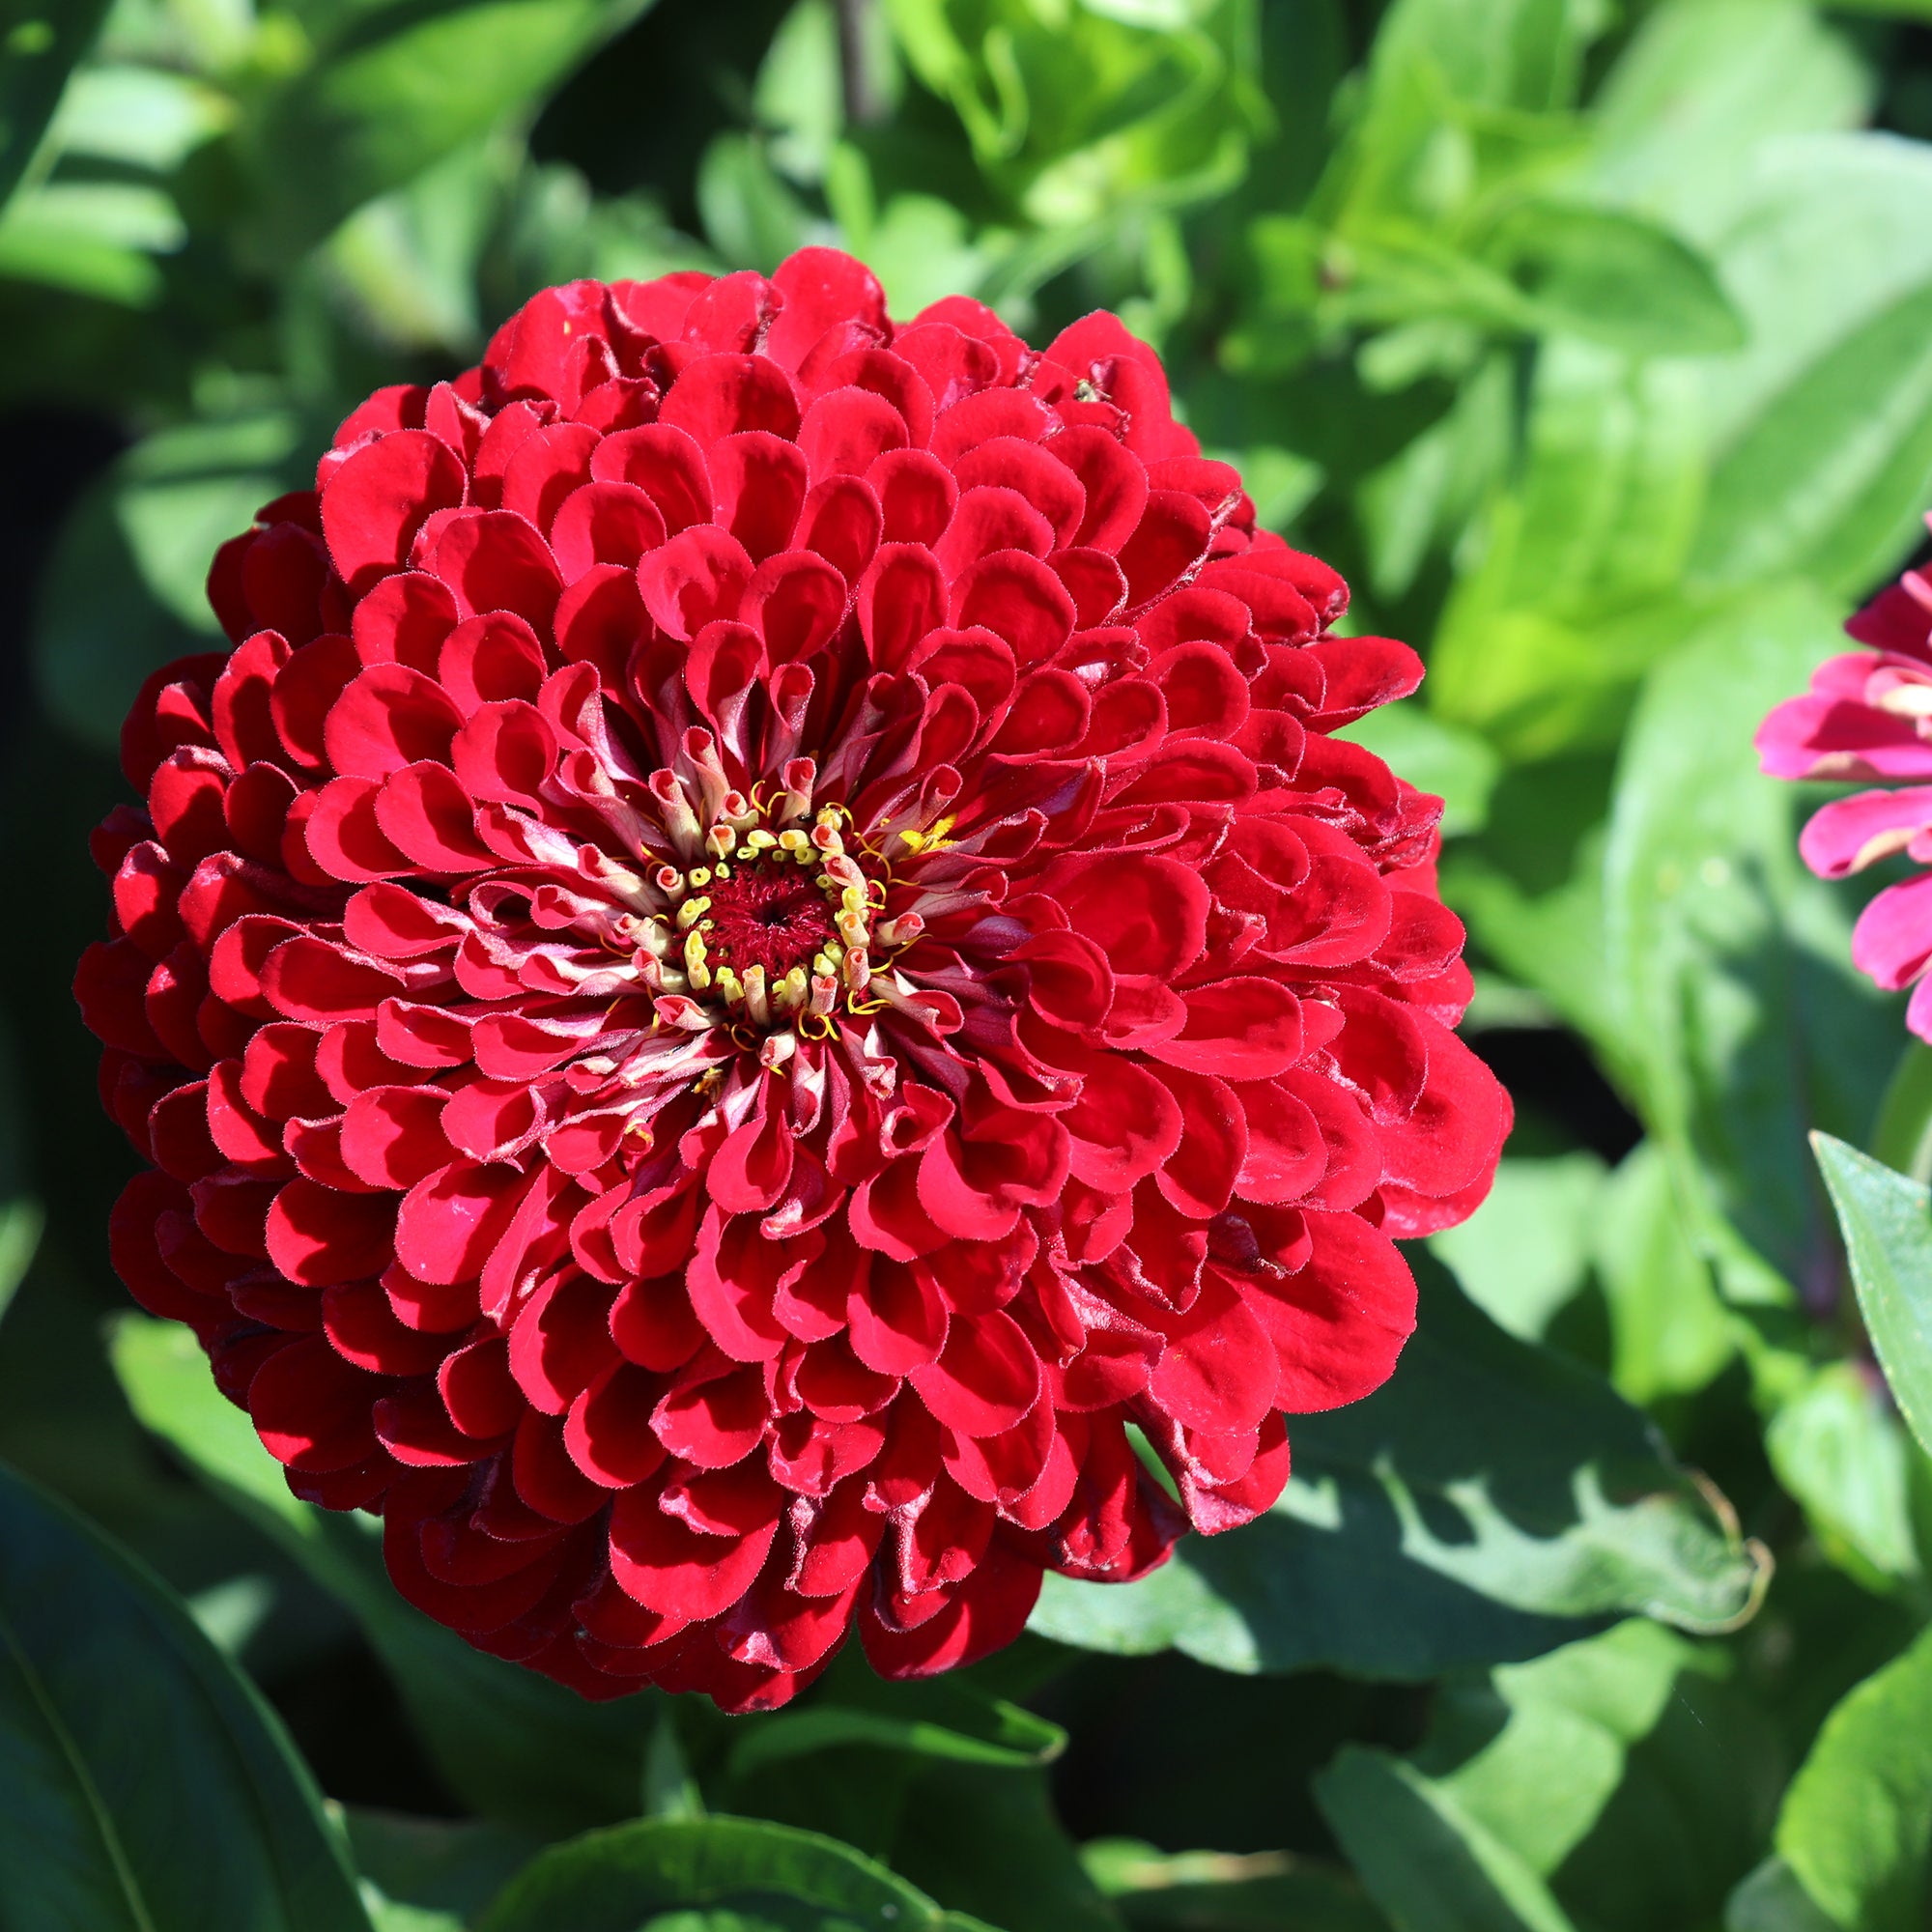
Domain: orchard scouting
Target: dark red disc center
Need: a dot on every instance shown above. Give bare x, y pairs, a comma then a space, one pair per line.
767, 914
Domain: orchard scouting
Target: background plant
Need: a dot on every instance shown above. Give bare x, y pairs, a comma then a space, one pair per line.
1595, 345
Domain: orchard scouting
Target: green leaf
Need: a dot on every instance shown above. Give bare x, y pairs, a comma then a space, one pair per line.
1082, 117
1670, 1334
1856, 1828
144, 1784
1700, 85
432, 1874
1737, 1020
1421, 502
142, 117
1888, 1233
1820, 422
751, 217
1616, 1780
1431, 1867
1624, 1771
514, 1744
1614, 279
1473, 1510
1836, 1447
405, 265
753, 1877
1525, 1251
92, 239
1573, 590
1225, 1891
669, 1790
999, 1734
20, 1224
1493, 53
1773, 1900
39, 49
1902, 1135
395, 87
1830, 480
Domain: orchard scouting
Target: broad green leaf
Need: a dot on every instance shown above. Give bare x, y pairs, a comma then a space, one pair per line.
1572, 591
1540, 1781
144, 1784
515, 1745
1737, 1020
736, 1872
1837, 1446
1225, 1891
1704, 82
40, 46
1614, 279
1773, 1900
1820, 422
1493, 53
1421, 500
1429, 1866
1670, 1334
1525, 1251
1078, 114
1856, 1828
1457, 765
1622, 1770
799, 96
394, 88
90, 238
1816, 241
1832, 479
142, 117
1472, 1511
1887, 1231
923, 1775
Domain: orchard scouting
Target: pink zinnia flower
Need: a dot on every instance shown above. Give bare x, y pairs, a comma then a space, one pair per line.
759, 945
1868, 715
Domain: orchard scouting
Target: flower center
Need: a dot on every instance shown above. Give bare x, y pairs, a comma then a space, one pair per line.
776, 927
768, 914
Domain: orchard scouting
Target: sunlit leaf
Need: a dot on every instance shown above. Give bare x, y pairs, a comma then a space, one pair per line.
1472, 1511
1737, 1016
1856, 1829
1887, 1221
751, 1876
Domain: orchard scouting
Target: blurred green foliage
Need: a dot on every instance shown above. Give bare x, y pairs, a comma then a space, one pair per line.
1594, 343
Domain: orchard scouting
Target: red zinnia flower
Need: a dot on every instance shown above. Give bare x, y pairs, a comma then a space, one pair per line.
1868, 715
760, 946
